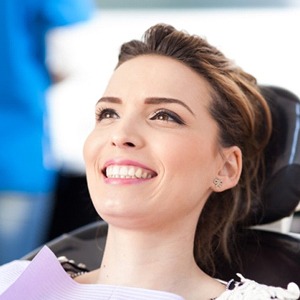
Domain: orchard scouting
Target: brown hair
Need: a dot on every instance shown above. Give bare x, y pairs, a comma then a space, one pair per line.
243, 119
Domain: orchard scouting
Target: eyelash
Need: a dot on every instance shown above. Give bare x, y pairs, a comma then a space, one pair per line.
172, 117
107, 113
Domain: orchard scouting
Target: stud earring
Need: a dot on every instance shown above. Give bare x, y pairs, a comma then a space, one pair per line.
218, 182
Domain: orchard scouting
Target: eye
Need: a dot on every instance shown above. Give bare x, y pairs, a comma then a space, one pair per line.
106, 113
167, 116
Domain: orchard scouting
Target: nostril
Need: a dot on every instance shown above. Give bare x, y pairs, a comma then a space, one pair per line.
122, 142
129, 144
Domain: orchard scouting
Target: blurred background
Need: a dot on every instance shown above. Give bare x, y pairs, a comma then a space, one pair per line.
262, 36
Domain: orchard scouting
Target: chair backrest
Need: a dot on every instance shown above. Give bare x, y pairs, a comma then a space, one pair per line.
281, 193
83, 245
267, 257
271, 257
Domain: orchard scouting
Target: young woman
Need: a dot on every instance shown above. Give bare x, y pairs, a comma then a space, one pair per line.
171, 167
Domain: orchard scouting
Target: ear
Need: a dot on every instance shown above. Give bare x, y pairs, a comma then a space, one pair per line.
230, 170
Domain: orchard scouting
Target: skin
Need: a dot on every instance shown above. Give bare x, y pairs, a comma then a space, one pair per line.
152, 221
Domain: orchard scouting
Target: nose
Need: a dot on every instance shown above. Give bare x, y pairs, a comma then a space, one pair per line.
127, 135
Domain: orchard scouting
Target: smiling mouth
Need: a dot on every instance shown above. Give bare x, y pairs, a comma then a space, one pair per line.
128, 172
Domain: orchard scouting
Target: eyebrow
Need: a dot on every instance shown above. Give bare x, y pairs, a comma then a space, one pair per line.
110, 100
164, 100
149, 100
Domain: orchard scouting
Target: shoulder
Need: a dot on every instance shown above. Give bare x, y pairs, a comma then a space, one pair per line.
250, 289
10, 272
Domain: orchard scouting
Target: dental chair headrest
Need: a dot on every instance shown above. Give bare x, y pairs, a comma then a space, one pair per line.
281, 191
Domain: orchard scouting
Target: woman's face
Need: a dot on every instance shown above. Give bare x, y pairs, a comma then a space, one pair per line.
153, 154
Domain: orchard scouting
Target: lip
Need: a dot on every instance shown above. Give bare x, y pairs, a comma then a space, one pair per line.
126, 162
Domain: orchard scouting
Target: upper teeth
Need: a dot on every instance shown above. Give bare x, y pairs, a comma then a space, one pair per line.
127, 172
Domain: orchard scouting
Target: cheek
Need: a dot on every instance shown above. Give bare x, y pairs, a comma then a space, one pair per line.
91, 151
91, 148
89, 157
86, 149
185, 153
192, 160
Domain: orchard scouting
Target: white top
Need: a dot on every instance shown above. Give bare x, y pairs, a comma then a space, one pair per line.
44, 278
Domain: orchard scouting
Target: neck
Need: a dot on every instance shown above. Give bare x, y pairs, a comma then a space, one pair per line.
160, 260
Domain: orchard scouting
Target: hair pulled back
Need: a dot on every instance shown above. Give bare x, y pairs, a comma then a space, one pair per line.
243, 119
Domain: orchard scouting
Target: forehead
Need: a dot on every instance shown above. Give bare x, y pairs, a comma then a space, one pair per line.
155, 75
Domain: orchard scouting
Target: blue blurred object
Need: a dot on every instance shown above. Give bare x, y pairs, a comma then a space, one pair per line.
27, 167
